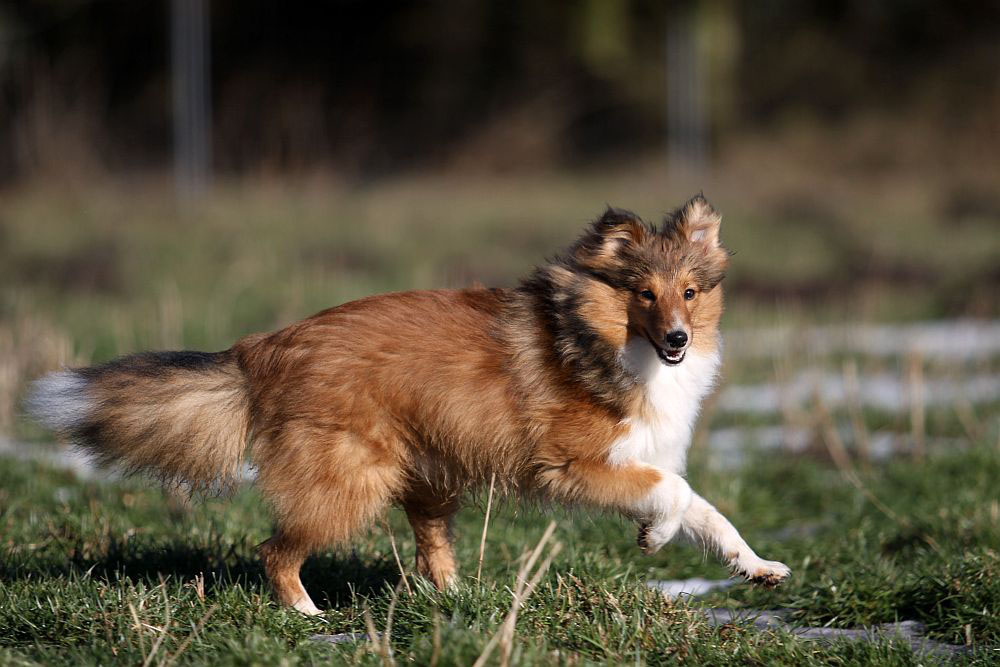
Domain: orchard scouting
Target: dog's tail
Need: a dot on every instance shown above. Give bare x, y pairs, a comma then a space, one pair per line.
181, 416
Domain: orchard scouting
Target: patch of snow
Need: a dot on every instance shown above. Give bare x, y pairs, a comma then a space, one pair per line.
884, 391
676, 588
965, 340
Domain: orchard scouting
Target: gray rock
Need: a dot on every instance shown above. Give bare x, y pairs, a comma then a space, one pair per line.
910, 632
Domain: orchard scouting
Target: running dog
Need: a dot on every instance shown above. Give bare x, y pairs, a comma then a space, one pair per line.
580, 385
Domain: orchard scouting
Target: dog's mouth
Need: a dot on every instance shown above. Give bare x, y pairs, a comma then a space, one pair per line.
669, 357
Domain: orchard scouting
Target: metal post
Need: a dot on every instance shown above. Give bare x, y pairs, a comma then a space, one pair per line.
189, 50
687, 108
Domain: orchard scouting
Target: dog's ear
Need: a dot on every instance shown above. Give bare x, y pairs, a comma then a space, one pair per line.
696, 222
614, 233
620, 225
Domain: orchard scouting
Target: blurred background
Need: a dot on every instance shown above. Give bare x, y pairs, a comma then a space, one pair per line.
181, 173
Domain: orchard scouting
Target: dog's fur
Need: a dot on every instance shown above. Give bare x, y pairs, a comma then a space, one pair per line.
563, 387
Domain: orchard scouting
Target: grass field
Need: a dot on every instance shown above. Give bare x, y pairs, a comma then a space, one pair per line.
102, 573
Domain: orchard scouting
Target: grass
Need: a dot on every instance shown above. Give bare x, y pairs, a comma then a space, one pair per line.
106, 573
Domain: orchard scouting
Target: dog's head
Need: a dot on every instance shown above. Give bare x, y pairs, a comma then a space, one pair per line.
665, 281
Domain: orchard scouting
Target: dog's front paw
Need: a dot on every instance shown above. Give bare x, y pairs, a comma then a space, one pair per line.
652, 537
643, 539
764, 572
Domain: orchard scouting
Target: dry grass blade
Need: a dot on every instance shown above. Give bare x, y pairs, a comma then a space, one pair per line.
138, 627
852, 396
792, 417
523, 587
486, 525
915, 378
377, 646
839, 455
187, 641
967, 418
831, 437
835, 446
526, 567
399, 562
386, 637
507, 637
436, 639
166, 628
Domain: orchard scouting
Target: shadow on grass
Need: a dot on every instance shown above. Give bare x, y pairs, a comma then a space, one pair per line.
332, 579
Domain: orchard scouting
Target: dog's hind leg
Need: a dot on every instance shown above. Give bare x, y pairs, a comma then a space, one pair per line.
325, 487
430, 516
283, 559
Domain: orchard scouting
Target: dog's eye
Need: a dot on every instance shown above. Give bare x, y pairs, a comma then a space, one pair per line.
647, 295
689, 294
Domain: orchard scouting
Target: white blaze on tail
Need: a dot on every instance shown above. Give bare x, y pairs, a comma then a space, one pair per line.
60, 401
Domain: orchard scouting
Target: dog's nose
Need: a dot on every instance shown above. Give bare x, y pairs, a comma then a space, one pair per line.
677, 339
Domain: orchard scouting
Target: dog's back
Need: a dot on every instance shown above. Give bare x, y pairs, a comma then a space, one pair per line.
354, 404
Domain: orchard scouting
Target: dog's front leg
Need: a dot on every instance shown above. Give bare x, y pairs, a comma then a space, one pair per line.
660, 513
703, 522
656, 498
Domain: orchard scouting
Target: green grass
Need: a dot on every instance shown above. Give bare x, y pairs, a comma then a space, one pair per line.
80, 561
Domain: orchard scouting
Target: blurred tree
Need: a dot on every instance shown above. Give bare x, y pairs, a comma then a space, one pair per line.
373, 87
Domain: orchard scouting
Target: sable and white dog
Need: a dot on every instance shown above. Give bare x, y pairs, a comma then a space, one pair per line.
581, 385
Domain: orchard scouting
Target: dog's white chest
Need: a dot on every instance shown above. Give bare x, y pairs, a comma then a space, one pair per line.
674, 394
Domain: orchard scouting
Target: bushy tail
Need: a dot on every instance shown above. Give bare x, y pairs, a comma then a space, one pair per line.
182, 416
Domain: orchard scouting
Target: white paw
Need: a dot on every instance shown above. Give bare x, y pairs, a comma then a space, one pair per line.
306, 606
760, 571
652, 537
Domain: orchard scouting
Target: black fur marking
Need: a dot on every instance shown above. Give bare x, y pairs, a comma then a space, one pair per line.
617, 217
156, 364
135, 379
123, 372
590, 358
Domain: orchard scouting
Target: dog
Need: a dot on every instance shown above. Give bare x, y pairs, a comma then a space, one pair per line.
581, 385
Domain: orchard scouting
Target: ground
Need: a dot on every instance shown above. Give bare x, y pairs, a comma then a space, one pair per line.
95, 572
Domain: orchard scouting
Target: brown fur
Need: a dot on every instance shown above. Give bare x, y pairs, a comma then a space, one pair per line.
197, 436
414, 398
